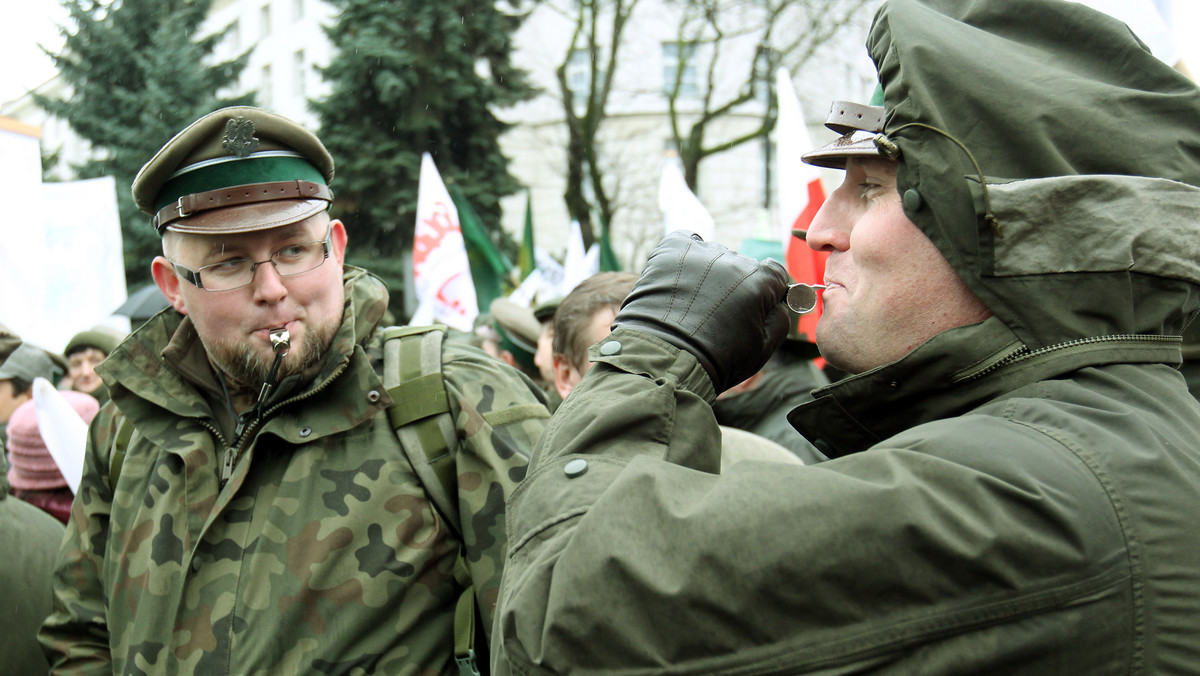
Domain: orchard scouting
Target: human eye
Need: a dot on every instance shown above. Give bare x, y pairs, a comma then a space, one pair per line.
226, 266
869, 189
294, 252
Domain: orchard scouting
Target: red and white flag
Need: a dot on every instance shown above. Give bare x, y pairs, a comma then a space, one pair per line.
800, 195
441, 272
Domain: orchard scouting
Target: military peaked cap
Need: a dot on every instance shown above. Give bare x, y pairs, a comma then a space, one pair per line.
238, 169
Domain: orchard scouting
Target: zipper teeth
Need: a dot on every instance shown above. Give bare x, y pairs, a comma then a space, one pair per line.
1025, 353
250, 429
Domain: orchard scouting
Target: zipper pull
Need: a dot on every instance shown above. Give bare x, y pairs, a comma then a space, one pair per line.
227, 464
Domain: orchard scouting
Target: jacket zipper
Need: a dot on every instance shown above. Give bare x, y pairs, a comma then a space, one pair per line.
232, 453
1025, 353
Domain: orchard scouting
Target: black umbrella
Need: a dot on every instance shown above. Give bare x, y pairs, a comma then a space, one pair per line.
142, 305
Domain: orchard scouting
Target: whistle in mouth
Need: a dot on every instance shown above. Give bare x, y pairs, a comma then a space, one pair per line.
280, 341
802, 298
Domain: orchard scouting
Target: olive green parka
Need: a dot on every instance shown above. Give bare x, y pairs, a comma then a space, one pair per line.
1017, 496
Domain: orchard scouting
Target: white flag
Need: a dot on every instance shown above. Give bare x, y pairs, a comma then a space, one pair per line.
681, 208
441, 273
64, 432
526, 293
579, 264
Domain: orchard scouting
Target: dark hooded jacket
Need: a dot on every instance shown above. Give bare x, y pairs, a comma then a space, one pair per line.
1013, 496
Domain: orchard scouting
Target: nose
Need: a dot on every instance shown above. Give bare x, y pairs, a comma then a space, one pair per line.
268, 285
829, 230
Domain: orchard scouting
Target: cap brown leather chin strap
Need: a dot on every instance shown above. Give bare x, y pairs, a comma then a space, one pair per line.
189, 205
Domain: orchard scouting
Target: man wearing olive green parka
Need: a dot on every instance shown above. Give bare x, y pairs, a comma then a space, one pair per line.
1015, 459
246, 506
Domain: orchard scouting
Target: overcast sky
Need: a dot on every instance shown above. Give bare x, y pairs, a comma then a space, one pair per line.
26, 23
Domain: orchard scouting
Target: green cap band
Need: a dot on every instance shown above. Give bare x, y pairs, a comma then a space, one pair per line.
264, 167
877, 96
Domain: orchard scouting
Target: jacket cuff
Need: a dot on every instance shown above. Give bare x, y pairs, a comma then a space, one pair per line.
641, 354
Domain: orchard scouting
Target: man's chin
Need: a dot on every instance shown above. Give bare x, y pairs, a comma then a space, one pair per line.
247, 365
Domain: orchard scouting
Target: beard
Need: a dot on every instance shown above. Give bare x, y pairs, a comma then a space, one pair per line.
246, 369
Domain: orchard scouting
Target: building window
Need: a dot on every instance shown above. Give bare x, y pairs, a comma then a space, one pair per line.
679, 62
297, 10
265, 86
264, 21
579, 75
298, 74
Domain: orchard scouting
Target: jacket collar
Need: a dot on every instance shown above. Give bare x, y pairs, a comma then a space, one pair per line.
954, 372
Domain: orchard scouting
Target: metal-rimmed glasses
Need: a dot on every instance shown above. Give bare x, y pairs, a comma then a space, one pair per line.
235, 273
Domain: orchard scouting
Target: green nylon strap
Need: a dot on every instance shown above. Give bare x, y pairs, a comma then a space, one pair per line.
421, 408
515, 413
410, 359
421, 397
116, 456
464, 621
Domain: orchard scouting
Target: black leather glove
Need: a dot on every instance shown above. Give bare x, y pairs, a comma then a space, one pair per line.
724, 308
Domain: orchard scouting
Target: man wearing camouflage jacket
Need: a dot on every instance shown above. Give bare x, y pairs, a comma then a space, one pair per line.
246, 506
1015, 459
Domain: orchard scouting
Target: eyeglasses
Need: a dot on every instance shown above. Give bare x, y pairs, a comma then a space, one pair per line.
291, 260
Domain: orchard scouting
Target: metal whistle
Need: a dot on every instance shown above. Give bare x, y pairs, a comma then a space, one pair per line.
281, 341
802, 298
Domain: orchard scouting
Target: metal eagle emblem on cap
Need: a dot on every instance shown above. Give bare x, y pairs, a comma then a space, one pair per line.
239, 137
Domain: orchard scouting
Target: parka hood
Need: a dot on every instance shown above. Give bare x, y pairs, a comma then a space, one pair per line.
1052, 159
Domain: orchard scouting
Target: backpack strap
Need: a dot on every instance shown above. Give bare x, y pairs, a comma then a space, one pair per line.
420, 414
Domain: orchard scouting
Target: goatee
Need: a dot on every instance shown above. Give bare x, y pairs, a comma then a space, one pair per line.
246, 370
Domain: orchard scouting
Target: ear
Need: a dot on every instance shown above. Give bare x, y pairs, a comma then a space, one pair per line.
563, 380
337, 235
167, 281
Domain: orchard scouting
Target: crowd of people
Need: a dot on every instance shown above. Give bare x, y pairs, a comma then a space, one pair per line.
649, 474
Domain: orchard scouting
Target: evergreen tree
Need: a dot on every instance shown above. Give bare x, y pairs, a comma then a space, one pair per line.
137, 76
408, 77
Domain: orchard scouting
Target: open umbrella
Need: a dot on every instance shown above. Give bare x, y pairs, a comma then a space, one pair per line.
142, 305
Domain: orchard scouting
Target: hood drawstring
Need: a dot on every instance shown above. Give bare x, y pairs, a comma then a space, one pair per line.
888, 147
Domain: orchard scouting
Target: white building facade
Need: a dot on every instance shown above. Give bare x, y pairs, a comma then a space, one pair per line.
288, 44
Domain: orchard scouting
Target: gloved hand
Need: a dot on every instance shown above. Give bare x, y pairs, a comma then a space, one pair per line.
724, 308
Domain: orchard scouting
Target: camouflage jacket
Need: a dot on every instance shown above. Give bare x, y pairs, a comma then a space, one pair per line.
322, 554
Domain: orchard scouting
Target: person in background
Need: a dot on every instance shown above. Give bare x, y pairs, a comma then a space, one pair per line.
17, 372
29, 540
84, 352
582, 320
761, 403
583, 317
543, 357
516, 333
32, 472
1014, 471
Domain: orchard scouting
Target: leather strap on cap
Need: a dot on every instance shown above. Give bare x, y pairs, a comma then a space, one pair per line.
188, 205
847, 116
